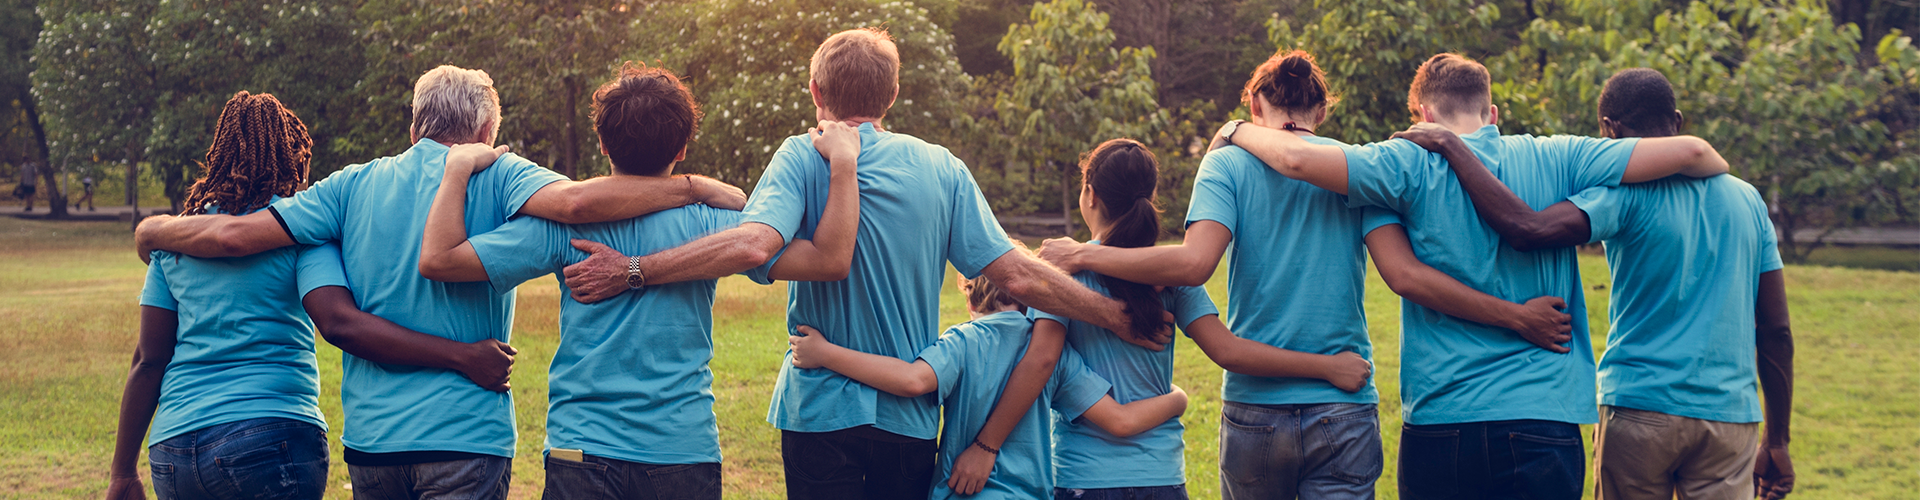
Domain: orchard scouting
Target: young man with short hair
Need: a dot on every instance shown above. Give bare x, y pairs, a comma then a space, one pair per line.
1697, 297
411, 431
1486, 413
919, 210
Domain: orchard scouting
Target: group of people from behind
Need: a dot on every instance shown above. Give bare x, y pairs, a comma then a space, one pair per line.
1060, 385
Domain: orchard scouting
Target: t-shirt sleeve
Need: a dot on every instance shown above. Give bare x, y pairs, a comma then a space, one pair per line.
1076, 388
1372, 218
948, 358
977, 239
1385, 174
515, 180
1213, 190
321, 266
1604, 207
780, 198
155, 292
1036, 315
1190, 303
716, 220
524, 248
1592, 161
314, 216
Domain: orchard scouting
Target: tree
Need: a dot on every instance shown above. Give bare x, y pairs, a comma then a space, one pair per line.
1371, 48
20, 132
93, 83
1071, 90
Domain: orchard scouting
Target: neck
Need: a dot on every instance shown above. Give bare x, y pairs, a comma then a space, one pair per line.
977, 314
1462, 124
1099, 230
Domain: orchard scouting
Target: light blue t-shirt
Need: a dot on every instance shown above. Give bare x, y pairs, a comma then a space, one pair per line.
1456, 371
1686, 256
973, 362
630, 379
1295, 285
919, 210
1086, 456
244, 346
378, 212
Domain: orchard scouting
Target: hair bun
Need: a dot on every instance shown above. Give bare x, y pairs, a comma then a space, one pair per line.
1296, 66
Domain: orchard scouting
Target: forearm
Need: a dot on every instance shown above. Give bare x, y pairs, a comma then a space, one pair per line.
1151, 412
1774, 348
137, 404
1656, 158
1163, 265
1321, 165
1516, 222
446, 226
722, 254
1247, 357
610, 198
375, 339
212, 236
1040, 286
829, 254
1437, 291
1024, 386
886, 373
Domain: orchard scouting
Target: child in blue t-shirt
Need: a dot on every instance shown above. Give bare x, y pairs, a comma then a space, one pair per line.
968, 367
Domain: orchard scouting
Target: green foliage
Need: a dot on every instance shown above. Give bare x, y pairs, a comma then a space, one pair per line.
1371, 48
747, 63
93, 80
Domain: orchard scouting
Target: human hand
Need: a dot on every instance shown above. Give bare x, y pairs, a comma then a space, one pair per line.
489, 364
1428, 135
717, 194
471, 158
600, 277
1541, 322
1063, 253
807, 347
970, 471
838, 143
1772, 473
1155, 341
1349, 371
144, 233
126, 488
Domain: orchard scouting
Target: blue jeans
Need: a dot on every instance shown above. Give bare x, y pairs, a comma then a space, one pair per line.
1307, 451
477, 478
1534, 459
1174, 492
610, 479
259, 458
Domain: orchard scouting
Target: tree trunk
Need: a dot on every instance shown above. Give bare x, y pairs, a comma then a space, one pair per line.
56, 199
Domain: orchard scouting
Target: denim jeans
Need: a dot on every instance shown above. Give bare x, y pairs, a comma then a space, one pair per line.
605, 478
259, 458
1308, 451
1174, 492
477, 478
1534, 459
859, 463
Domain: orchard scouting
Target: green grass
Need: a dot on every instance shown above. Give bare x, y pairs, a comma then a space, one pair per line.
1867, 257
68, 298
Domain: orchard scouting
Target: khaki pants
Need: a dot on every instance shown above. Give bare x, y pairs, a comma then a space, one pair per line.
1642, 454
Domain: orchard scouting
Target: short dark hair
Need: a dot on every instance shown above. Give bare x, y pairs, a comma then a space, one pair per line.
1451, 84
1640, 99
644, 117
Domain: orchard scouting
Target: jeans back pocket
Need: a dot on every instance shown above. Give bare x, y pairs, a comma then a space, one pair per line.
1429, 462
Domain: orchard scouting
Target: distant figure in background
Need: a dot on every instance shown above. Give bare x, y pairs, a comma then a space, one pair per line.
86, 183
29, 182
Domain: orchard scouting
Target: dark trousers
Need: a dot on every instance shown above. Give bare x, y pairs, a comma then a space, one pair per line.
856, 464
605, 478
470, 479
258, 458
1533, 459
1174, 492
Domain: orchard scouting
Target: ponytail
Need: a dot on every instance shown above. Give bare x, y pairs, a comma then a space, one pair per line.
1291, 82
1123, 174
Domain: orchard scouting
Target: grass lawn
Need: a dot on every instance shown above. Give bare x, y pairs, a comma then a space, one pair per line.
68, 298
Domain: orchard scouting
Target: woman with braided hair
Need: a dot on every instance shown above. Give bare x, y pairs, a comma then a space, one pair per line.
225, 370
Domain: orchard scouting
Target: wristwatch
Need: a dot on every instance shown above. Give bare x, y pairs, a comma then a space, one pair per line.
635, 278
1226, 131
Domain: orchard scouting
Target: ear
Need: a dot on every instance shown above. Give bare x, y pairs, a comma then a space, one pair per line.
1426, 113
1493, 114
1608, 128
1320, 116
1679, 121
682, 155
1257, 106
603, 150
895, 98
487, 132
413, 134
813, 89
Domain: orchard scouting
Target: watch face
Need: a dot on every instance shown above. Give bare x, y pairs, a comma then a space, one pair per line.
634, 281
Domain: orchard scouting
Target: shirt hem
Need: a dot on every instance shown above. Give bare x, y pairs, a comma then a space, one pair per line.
156, 438
1439, 418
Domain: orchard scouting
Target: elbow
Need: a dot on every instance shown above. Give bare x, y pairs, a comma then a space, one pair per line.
229, 242
753, 256
1396, 279
922, 385
1195, 273
1017, 284
1131, 426
431, 268
576, 210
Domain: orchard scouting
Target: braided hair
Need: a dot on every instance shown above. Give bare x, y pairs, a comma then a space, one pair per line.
1123, 175
260, 150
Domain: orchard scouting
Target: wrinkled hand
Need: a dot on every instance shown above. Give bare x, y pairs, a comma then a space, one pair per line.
717, 194
600, 277
126, 488
489, 364
1772, 473
1541, 322
1349, 371
970, 471
1063, 253
143, 235
1158, 340
806, 347
838, 143
1428, 135
471, 158
1219, 140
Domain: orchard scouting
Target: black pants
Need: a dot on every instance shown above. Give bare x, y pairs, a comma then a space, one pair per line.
1532, 459
855, 464
606, 478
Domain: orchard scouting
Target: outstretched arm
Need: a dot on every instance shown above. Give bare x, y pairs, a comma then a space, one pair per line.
1124, 420
1029, 379
620, 197
1318, 164
488, 363
1655, 158
604, 273
1347, 370
1773, 468
158, 331
211, 236
445, 254
886, 373
1560, 225
1539, 321
1042, 287
1190, 263
829, 255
